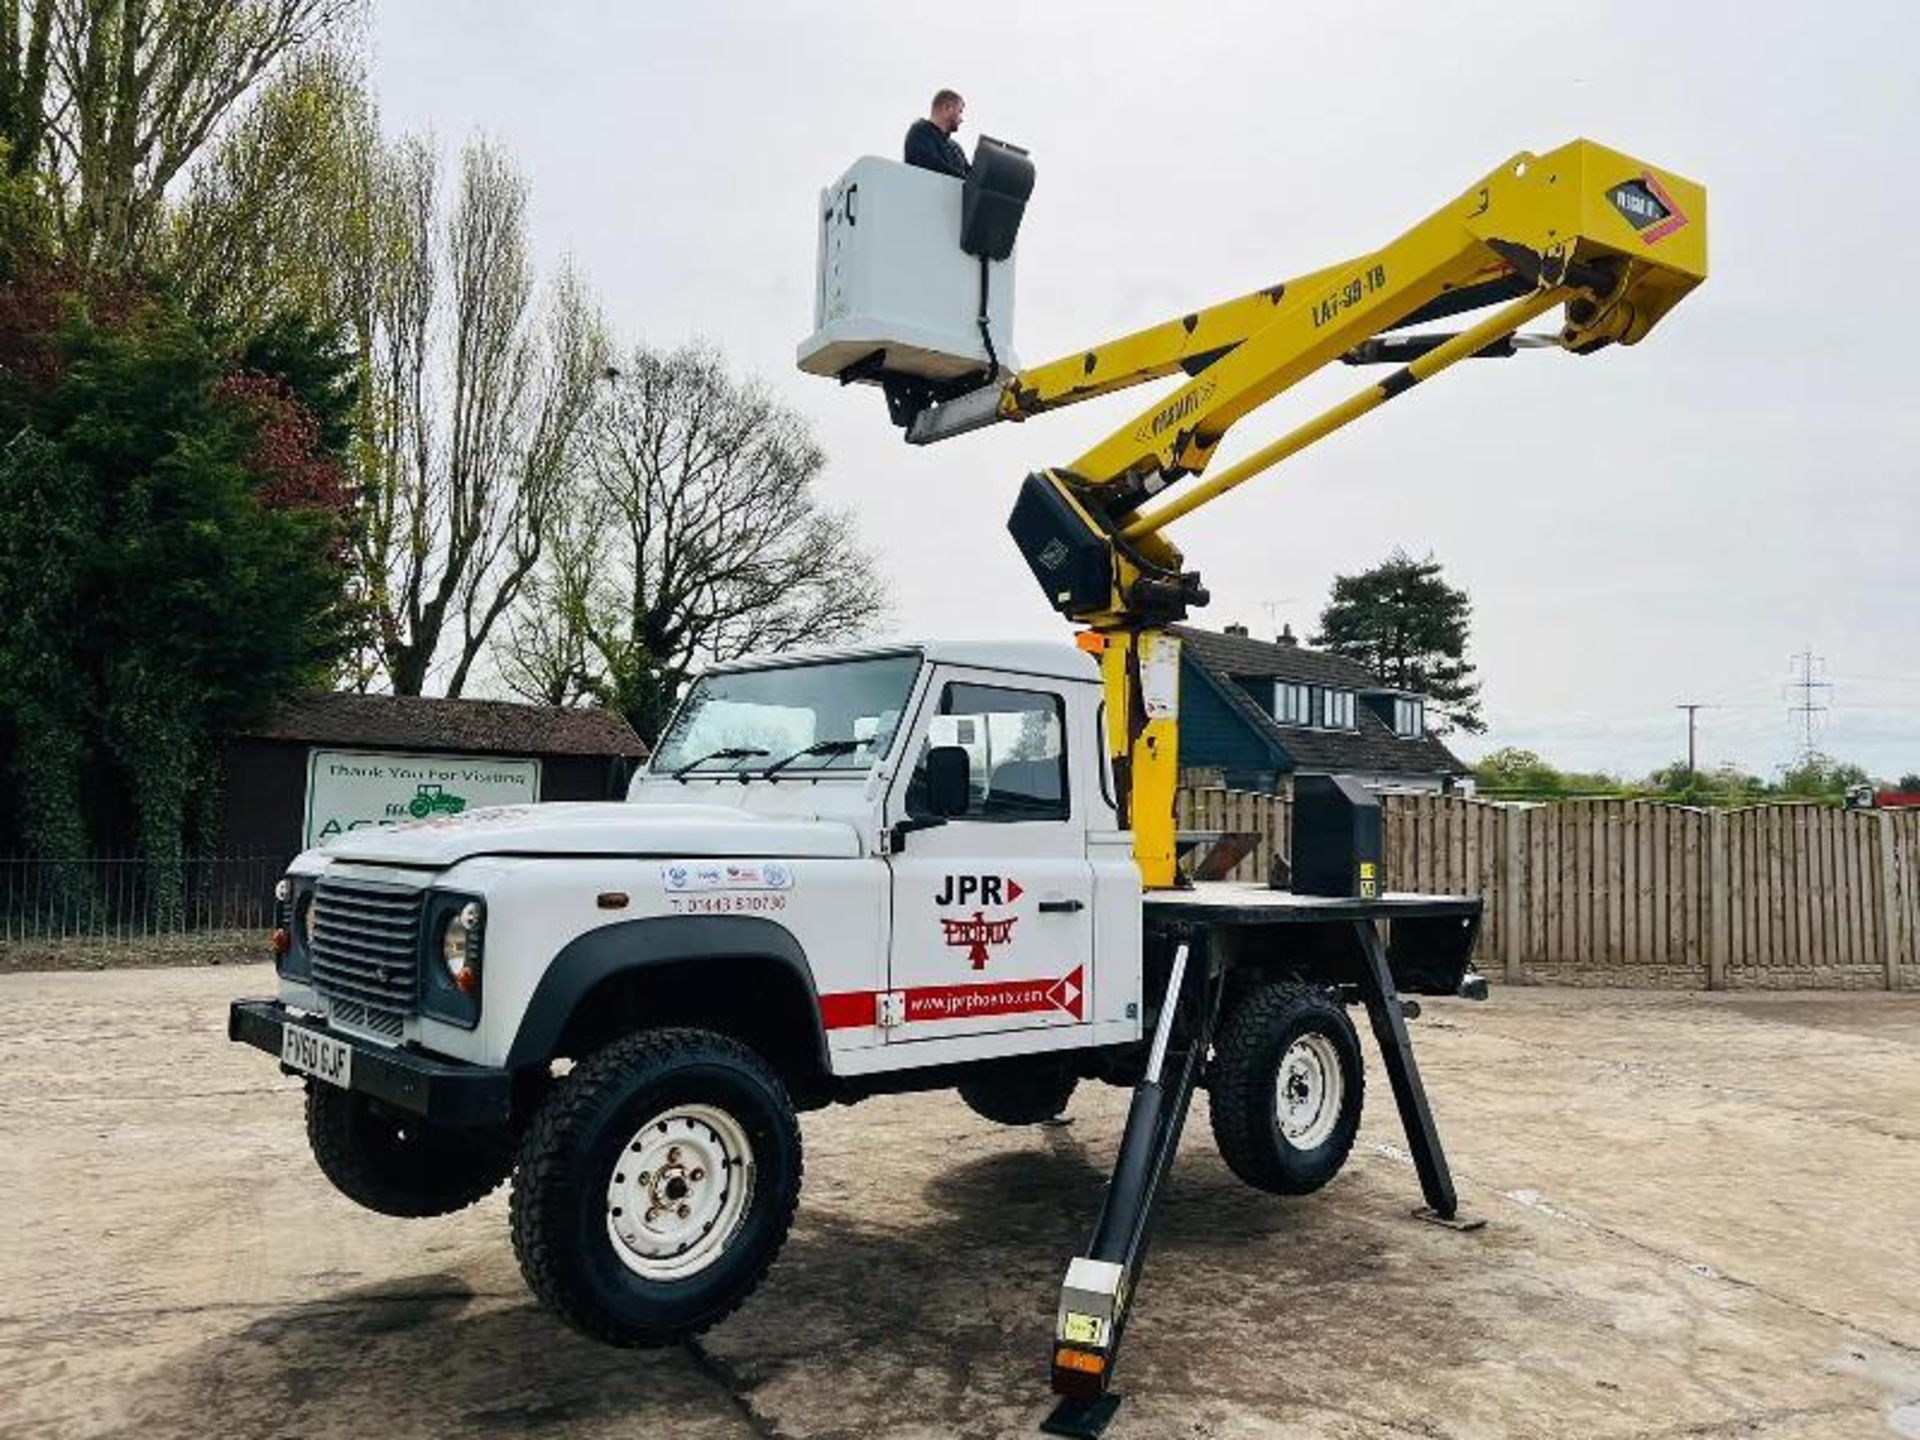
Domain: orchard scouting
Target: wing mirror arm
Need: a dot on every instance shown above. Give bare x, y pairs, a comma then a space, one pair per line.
900, 829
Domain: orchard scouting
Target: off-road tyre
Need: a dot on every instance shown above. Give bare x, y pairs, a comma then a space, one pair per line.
562, 1214
399, 1164
1019, 1095
1256, 1035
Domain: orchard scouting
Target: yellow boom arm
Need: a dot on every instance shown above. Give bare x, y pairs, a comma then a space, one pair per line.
1614, 241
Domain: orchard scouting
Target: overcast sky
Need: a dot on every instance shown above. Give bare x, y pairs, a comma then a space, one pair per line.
1648, 526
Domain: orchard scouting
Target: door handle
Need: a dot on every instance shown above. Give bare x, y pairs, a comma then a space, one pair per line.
1061, 907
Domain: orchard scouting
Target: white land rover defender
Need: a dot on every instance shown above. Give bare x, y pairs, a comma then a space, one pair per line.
842, 874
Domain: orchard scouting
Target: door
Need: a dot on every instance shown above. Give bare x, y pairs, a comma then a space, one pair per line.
993, 910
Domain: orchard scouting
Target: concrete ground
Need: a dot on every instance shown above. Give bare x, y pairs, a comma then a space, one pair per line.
1705, 1221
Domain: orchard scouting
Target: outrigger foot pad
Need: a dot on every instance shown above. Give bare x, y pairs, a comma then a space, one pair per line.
1081, 1419
1464, 1223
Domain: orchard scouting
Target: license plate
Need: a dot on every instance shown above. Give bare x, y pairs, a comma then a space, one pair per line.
317, 1055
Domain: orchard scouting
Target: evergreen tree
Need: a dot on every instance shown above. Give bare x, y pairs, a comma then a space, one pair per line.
1408, 626
171, 559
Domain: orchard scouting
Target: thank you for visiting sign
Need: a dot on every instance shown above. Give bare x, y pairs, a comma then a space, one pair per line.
352, 790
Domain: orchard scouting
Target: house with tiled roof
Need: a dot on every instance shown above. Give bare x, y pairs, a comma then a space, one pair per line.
1254, 713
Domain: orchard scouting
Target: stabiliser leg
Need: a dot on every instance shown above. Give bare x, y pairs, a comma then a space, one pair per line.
1396, 1052
1100, 1284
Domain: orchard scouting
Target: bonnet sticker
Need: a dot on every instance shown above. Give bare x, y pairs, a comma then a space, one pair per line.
690, 877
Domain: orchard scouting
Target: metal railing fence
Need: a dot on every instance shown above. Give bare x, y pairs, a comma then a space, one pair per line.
125, 901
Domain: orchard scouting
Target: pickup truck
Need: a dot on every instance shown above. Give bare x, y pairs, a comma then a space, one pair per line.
842, 874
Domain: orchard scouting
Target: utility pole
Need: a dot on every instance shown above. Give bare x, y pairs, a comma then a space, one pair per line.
1807, 667
1693, 708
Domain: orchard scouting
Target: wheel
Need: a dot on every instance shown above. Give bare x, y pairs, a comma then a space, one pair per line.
1286, 1087
417, 808
398, 1164
1018, 1095
655, 1186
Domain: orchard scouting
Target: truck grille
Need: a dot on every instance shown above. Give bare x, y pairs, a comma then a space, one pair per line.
366, 952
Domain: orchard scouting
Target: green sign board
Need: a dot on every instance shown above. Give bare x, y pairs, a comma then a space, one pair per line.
353, 790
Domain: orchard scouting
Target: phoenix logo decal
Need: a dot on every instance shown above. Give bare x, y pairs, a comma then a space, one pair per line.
976, 935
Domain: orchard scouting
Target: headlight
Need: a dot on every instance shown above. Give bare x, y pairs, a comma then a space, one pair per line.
304, 918
460, 948
281, 940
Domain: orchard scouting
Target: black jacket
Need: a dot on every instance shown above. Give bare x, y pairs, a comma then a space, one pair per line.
931, 148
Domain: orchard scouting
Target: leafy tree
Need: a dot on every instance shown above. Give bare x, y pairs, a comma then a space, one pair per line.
1818, 776
1511, 768
111, 99
703, 540
277, 218
47, 524
169, 563
1722, 785
1407, 625
472, 386
1522, 773
1909, 782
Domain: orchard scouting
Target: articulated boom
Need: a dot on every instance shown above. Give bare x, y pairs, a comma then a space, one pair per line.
1615, 242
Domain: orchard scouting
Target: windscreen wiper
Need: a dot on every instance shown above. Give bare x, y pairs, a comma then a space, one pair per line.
819, 747
730, 752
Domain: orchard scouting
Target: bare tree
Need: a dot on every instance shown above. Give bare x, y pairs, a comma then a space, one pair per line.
547, 653
709, 541
477, 401
113, 98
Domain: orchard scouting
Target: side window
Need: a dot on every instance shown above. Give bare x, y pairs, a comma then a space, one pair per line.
1016, 751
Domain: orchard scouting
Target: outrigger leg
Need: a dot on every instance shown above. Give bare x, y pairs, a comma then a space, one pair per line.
1100, 1284
1396, 1053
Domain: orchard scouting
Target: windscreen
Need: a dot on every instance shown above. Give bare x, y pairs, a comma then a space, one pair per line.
782, 711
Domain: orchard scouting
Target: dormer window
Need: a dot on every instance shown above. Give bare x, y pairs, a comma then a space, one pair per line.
1409, 717
1316, 706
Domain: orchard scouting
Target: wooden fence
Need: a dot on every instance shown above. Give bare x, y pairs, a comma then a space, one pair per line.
1628, 892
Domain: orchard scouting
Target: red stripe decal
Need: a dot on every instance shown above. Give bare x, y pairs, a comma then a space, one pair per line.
846, 1009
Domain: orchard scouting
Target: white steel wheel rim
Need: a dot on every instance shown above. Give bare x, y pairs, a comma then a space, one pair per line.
679, 1191
1309, 1090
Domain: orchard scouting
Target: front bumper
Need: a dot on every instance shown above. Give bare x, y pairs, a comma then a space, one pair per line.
448, 1092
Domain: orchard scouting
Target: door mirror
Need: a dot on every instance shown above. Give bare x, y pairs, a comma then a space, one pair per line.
949, 781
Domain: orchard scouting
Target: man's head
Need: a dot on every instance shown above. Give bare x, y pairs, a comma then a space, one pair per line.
948, 110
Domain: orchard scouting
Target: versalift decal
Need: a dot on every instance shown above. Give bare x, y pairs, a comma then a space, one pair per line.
1648, 206
978, 933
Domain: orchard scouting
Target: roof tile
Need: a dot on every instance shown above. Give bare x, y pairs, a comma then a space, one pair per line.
1371, 747
476, 727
